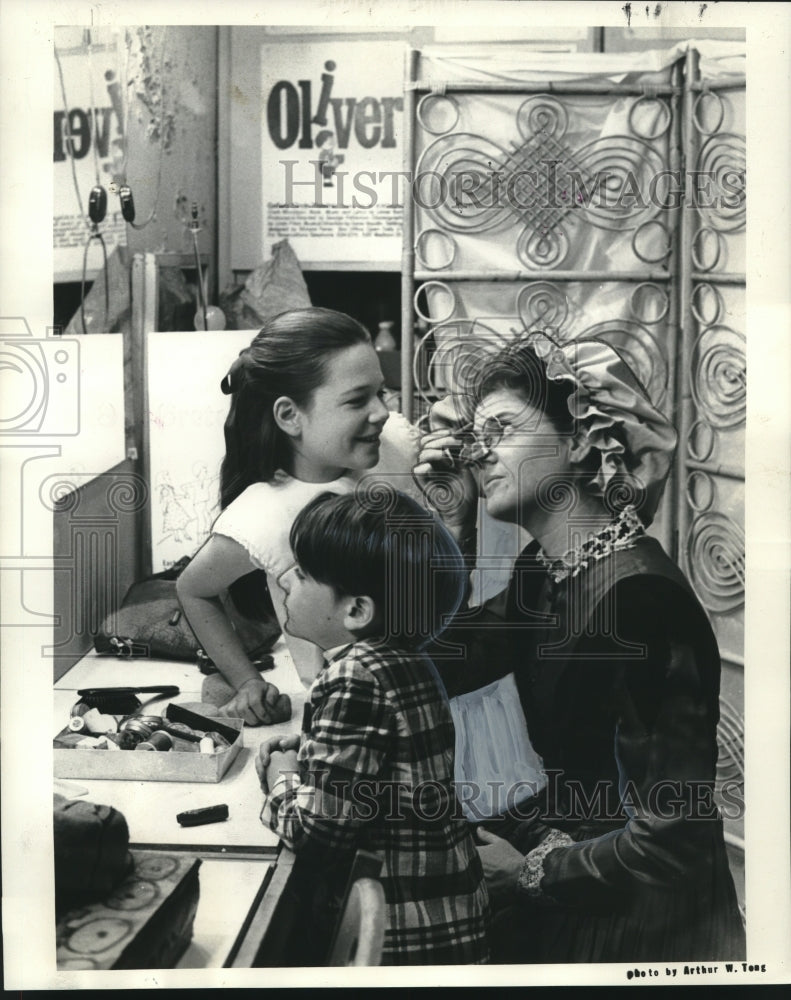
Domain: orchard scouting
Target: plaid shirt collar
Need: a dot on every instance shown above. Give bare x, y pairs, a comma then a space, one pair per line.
338, 652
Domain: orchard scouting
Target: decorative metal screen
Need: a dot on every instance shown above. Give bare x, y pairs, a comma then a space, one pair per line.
603, 210
709, 505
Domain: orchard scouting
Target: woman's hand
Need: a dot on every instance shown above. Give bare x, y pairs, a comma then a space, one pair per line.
257, 702
449, 487
275, 744
502, 864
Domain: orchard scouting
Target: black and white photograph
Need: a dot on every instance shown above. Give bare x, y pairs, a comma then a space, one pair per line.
395, 551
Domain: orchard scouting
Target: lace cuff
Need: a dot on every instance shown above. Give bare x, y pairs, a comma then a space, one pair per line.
533, 867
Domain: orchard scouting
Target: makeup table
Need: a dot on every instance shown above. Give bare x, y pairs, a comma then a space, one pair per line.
244, 869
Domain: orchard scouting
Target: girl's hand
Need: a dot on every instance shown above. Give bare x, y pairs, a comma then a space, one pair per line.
257, 702
449, 487
267, 748
502, 864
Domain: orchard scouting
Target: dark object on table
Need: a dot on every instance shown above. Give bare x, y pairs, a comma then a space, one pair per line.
91, 847
146, 923
122, 700
199, 817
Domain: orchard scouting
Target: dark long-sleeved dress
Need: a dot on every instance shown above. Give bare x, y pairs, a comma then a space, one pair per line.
618, 674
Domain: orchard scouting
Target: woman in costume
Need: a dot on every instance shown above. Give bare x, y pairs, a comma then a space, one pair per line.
621, 856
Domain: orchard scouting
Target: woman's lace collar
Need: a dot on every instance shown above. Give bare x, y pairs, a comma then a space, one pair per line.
621, 533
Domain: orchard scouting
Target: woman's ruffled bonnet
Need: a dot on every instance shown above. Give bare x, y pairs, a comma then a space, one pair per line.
613, 416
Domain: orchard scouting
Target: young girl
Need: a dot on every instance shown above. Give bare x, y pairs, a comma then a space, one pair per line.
306, 416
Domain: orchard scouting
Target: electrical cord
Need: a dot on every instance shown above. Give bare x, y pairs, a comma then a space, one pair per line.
95, 235
97, 203
70, 141
94, 109
194, 230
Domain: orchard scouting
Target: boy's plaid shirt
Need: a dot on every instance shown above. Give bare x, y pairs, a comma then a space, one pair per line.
375, 772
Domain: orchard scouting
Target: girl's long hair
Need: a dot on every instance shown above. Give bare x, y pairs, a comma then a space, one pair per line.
287, 357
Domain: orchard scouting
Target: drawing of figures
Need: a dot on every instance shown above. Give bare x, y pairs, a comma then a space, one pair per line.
175, 516
204, 489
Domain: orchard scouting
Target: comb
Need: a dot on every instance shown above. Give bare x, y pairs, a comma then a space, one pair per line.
122, 700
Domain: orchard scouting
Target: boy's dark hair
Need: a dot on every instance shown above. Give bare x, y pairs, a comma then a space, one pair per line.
382, 544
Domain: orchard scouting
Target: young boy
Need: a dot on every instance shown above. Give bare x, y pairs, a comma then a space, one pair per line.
371, 587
